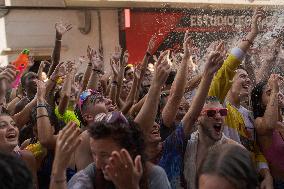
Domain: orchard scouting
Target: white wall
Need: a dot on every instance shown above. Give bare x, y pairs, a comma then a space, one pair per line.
35, 29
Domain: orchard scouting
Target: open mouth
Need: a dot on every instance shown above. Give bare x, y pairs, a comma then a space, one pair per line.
217, 127
155, 132
11, 136
245, 86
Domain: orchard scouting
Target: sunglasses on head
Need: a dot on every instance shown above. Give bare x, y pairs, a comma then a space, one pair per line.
112, 117
213, 111
85, 94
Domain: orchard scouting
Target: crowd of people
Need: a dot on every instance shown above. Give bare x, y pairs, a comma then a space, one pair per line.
147, 126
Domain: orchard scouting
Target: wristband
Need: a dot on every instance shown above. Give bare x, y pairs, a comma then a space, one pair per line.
40, 116
114, 82
59, 40
41, 106
97, 71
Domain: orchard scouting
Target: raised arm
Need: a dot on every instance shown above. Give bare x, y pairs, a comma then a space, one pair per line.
51, 83
60, 30
222, 81
146, 116
266, 67
131, 98
7, 76
123, 63
249, 68
45, 130
178, 88
114, 81
40, 69
67, 142
214, 62
66, 88
193, 83
271, 115
97, 69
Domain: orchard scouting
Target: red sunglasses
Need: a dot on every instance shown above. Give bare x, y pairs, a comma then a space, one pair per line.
211, 112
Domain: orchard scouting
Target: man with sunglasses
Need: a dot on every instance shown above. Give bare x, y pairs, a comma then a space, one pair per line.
231, 86
210, 133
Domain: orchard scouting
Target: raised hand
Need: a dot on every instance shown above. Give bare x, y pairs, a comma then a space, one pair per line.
274, 82
123, 171
257, 18
41, 89
125, 58
59, 71
187, 45
115, 67
43, 64
62, 28
151, 45
9, 74
71, 67
137, 72
117, 53
214, 63
162, 69
67, 141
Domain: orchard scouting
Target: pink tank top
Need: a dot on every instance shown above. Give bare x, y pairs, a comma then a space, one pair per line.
275, 153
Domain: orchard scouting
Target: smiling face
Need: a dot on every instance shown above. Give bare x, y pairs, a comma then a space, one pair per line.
153, 135
8, 133
101, 151
241, 83
212, 126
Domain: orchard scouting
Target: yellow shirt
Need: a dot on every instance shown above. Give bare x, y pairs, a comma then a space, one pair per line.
235, 128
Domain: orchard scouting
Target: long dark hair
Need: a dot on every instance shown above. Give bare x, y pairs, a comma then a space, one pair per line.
128, 136
231, 162
256, 100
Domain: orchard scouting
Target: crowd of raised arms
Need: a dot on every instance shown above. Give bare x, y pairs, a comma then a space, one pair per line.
157, 125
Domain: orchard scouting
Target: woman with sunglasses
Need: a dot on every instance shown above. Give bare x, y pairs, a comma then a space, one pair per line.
119, 160
267, 103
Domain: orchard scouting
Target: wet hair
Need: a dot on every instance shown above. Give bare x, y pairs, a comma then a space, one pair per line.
211, 99
128, 136
256, 100
171, 78
14, 174
231, 162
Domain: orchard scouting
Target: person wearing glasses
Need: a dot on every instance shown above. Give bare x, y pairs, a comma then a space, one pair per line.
209, 133
231, 86
267, 103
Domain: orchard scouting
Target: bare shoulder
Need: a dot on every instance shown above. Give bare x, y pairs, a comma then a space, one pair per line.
230, 141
